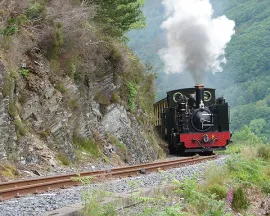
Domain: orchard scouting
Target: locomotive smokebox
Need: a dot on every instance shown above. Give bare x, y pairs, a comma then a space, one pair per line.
199, 94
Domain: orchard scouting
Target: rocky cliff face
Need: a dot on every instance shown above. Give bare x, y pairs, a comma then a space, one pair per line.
63, 92
50, 120
7, 133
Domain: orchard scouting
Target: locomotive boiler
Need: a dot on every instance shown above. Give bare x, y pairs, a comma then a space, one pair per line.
193, 120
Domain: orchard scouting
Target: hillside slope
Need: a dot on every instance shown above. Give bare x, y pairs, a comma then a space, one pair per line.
245, 79
68, 90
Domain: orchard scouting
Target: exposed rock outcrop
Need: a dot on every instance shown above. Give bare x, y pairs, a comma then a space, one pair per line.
7, 128
61, 79
51, 120
126, 128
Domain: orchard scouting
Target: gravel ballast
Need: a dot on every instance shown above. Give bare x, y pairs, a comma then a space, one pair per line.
38, 204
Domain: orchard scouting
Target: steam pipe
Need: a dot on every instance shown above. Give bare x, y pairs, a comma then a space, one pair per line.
199, 94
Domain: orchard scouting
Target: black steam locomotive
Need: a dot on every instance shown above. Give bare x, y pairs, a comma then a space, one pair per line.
193, 120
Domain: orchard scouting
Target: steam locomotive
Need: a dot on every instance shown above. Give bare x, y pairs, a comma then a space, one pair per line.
193, 120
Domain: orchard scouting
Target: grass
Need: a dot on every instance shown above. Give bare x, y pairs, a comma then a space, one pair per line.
46, 133
72, 104
264, 152
20, 126
216, 175
153, 138
8, 170
121, 148
101, 98
248, 168
87, 145
207, 197
61, 87
240, 201
63, 159
219, 190
35, 11
115, 141
24, 72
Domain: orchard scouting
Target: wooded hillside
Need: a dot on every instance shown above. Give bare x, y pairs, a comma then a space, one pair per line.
246, 76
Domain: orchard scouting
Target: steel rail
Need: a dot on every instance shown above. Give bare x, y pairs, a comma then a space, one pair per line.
19, 188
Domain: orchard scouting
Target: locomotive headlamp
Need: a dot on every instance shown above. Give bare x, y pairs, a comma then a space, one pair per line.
205, 138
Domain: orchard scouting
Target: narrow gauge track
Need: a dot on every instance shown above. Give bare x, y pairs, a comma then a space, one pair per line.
19, 188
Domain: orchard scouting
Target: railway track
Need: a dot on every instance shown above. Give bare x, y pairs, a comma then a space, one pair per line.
20, 188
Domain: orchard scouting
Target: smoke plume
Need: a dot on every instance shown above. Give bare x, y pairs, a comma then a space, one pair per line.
195, 40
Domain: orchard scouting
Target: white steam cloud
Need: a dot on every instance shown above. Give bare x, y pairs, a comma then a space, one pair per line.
195, 40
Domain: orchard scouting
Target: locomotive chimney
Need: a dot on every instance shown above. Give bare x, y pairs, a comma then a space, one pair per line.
199, 94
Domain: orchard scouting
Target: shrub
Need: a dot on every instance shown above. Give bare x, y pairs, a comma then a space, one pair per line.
72, 104
153, 138
54, 41
115, 98
13, 25
23, 97
247, 136
199, 202
132, 90
10, 30
240, 201
46, 133
244, 171
63, 159
216, 175
101, 98
8, 85
122, 149
61, 87
13, 109
24, 72
264, 152
219, 190
71, 70
8, 170
266, 186
35, 11
20, 126
93, 204
86, 144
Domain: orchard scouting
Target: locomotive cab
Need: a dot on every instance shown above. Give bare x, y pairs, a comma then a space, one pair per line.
194, 121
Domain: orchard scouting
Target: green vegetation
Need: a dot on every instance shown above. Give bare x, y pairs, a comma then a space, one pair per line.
13, 25
46, 133
243, 174
72, 104
102, 98
24, 72
240, 200
121, 148
63, 158
8, 170
118, 17
92, 199
80, 41
20, 126
245, 79
86, 144
61, 87
132, 89
35, 11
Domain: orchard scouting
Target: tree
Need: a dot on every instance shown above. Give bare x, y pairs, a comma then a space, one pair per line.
120, 16
258, 126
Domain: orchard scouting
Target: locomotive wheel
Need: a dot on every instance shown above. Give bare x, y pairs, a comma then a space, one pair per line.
174, 150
